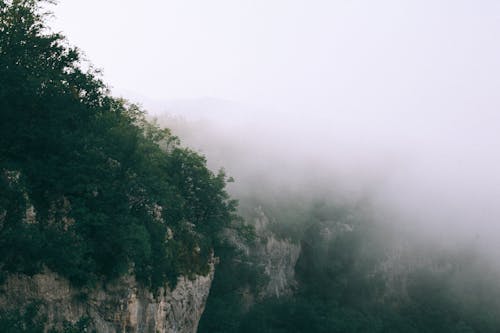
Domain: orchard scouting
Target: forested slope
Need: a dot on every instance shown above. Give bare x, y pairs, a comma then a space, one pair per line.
88, 187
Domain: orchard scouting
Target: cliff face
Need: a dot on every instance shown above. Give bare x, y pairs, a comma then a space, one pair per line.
279, 257
121, 306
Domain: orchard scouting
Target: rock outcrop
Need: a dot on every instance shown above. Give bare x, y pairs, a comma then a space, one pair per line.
121, 306
279, 257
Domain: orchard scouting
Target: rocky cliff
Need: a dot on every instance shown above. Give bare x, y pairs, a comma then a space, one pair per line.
120, 306
279, 257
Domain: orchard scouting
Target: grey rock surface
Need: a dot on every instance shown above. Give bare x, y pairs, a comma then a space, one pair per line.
279, 257
120, 306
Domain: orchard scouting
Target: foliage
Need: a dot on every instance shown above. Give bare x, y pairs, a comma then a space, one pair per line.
27, 321
238, 273
111, 192
341, 287
81, 325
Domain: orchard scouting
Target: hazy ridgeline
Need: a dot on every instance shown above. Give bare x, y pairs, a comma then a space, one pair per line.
419, 195
397, 101
393, 101
432, 175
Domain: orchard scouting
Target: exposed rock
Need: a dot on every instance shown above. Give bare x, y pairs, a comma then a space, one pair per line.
279, 257
121, 306
401, 263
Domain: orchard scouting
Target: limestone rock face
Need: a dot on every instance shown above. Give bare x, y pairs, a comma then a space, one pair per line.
279, 257
121, 306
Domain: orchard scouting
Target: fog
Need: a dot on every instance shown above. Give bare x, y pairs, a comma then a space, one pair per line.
439, 179
392, 101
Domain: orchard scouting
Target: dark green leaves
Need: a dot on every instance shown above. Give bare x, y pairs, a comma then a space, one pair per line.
111, 192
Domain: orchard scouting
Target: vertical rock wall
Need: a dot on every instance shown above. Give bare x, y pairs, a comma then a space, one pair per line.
121, 306
279, 257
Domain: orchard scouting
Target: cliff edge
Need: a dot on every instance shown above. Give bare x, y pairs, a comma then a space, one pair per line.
120, 306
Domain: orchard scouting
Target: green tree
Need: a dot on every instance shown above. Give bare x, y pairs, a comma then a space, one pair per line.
110, 191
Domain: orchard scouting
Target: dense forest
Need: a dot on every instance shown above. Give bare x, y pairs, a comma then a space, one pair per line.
356, 275
89, 188
92, 190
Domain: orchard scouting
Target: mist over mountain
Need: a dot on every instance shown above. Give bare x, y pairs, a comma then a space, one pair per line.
434, 173
340, 174
395, 99
412, 200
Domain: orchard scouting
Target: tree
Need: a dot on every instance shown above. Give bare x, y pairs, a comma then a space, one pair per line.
110, 191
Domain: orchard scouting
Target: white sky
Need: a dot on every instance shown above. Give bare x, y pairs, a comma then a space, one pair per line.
329, 56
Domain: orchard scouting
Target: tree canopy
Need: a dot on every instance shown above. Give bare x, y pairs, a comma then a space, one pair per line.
88, 187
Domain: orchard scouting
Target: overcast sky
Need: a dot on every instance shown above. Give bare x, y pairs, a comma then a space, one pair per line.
406, 88
402, 56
